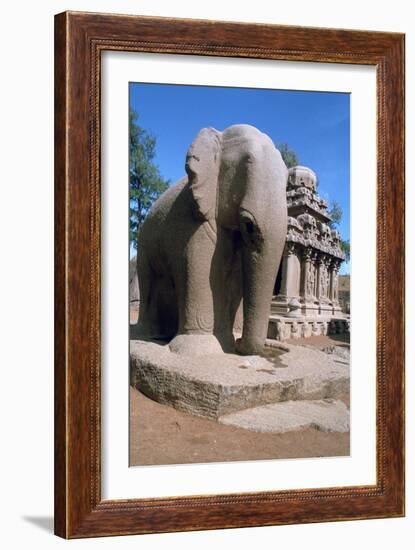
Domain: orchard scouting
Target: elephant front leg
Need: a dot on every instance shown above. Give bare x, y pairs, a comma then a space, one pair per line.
197, 315
195, 298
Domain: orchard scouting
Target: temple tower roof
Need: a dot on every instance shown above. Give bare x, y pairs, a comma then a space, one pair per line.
308, 218
302, 196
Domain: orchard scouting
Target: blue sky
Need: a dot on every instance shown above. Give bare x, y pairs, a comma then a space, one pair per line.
315, 124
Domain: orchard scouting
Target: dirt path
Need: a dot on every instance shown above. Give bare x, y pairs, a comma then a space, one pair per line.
161, 435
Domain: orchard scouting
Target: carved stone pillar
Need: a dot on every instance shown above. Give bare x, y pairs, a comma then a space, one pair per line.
327, 280
334, 285
332, 281
314, 260
325, 307
307, 280
290, 280
320, 278
283, 288
289, 272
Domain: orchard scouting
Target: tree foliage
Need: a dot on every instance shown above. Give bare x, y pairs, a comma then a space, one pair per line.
345, 246
289, 156
146, 182
336, 214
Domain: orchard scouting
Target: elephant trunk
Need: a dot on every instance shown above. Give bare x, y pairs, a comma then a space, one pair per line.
261, 258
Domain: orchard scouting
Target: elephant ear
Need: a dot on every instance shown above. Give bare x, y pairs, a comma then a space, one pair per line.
202, 167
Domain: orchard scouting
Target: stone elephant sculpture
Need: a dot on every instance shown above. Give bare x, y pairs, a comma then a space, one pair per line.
212, 240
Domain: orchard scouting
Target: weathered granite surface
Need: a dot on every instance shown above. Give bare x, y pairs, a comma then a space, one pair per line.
327, 415
210, 246
217, 384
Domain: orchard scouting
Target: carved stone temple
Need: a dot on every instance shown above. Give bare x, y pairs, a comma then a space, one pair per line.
306, 295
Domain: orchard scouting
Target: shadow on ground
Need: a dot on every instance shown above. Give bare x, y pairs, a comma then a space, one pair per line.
43, 522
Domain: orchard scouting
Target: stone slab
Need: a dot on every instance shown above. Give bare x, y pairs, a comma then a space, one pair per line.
325, 415
282, 328
217, 384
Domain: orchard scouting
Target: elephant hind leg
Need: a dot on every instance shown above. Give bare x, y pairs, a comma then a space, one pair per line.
147, 313
157, 314
167, 308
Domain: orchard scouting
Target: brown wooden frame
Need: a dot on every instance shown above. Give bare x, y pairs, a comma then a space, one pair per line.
79, 40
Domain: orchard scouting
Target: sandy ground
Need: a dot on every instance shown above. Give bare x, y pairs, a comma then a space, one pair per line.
342, 340
161, 435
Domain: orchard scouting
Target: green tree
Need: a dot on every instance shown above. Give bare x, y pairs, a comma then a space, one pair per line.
335, 212
289, 156
146, 182
345, 246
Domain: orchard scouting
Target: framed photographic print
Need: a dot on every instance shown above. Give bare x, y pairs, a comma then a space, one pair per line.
229, 275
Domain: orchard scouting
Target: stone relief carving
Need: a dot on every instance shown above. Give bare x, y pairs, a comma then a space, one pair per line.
322, 280
335, 285
310, 279
315, 244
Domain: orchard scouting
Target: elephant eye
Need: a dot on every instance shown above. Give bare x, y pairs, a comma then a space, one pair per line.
249, 227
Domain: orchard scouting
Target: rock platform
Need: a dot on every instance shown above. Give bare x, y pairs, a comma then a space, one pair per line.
216, 386
326, 415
